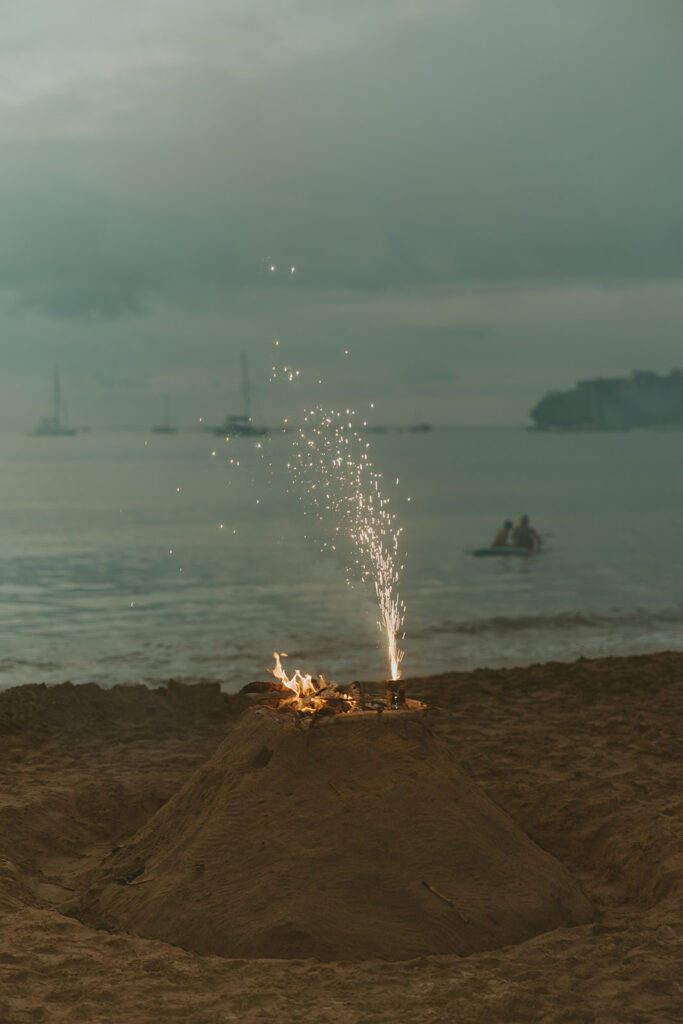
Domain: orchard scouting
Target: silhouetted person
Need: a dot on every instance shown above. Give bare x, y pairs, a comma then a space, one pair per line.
502, 538
524, 535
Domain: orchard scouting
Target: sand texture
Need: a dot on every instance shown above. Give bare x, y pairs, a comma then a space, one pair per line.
533, 798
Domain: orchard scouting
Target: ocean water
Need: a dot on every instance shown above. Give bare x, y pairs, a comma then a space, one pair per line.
132, 557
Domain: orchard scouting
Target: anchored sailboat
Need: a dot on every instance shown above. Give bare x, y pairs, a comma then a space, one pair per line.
166, 426
52, 426
241, 425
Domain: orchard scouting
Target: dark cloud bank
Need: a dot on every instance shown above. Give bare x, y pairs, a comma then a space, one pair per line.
526, 147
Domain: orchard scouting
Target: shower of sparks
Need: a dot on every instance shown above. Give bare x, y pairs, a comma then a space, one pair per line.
339, 486
287, 373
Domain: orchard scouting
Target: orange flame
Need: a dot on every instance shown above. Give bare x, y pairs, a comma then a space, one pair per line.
304, 688
306, 694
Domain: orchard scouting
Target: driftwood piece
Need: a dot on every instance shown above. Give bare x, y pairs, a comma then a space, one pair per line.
446, 899
264, 686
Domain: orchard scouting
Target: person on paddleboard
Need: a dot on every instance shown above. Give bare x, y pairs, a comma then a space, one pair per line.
502, 538
524, 535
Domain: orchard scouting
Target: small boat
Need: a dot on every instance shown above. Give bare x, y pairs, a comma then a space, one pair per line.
165, 427
52, 426
241, 425
502, 550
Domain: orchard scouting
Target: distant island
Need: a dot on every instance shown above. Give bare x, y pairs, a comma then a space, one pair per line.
645, 399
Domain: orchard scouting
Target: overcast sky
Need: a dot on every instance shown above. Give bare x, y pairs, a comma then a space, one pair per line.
482, 199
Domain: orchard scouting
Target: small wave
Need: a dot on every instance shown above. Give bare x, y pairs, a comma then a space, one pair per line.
7, 664
556, 621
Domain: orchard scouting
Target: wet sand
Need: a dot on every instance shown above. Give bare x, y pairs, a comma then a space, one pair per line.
585, 757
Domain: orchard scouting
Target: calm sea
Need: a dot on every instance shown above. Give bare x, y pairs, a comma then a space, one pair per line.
131, 557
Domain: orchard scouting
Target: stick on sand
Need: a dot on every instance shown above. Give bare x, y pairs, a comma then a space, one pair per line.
447, 900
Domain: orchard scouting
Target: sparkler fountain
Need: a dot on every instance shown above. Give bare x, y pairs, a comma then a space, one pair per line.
338, 483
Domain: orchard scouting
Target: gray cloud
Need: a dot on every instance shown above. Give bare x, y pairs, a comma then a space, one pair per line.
502, 142
158, 153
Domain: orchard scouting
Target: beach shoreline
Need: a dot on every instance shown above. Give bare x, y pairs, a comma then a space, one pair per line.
584, 756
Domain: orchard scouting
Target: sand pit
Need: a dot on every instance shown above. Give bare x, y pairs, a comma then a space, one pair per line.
300, 839
585, 757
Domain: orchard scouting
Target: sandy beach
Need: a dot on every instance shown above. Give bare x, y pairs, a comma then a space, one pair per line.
583, 761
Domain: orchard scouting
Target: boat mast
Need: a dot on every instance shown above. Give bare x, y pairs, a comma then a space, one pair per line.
246, 391
57, 395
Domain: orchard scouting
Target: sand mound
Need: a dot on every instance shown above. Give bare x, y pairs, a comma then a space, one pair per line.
299, 840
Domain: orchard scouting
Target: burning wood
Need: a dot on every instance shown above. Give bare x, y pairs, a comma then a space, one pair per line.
305, 695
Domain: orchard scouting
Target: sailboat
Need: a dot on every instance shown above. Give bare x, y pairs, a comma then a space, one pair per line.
52, 426
241, 425
165, 427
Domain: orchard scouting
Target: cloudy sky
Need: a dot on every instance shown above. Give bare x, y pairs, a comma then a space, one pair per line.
482, 200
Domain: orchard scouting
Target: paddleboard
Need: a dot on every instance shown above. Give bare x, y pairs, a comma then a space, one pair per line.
483, 552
